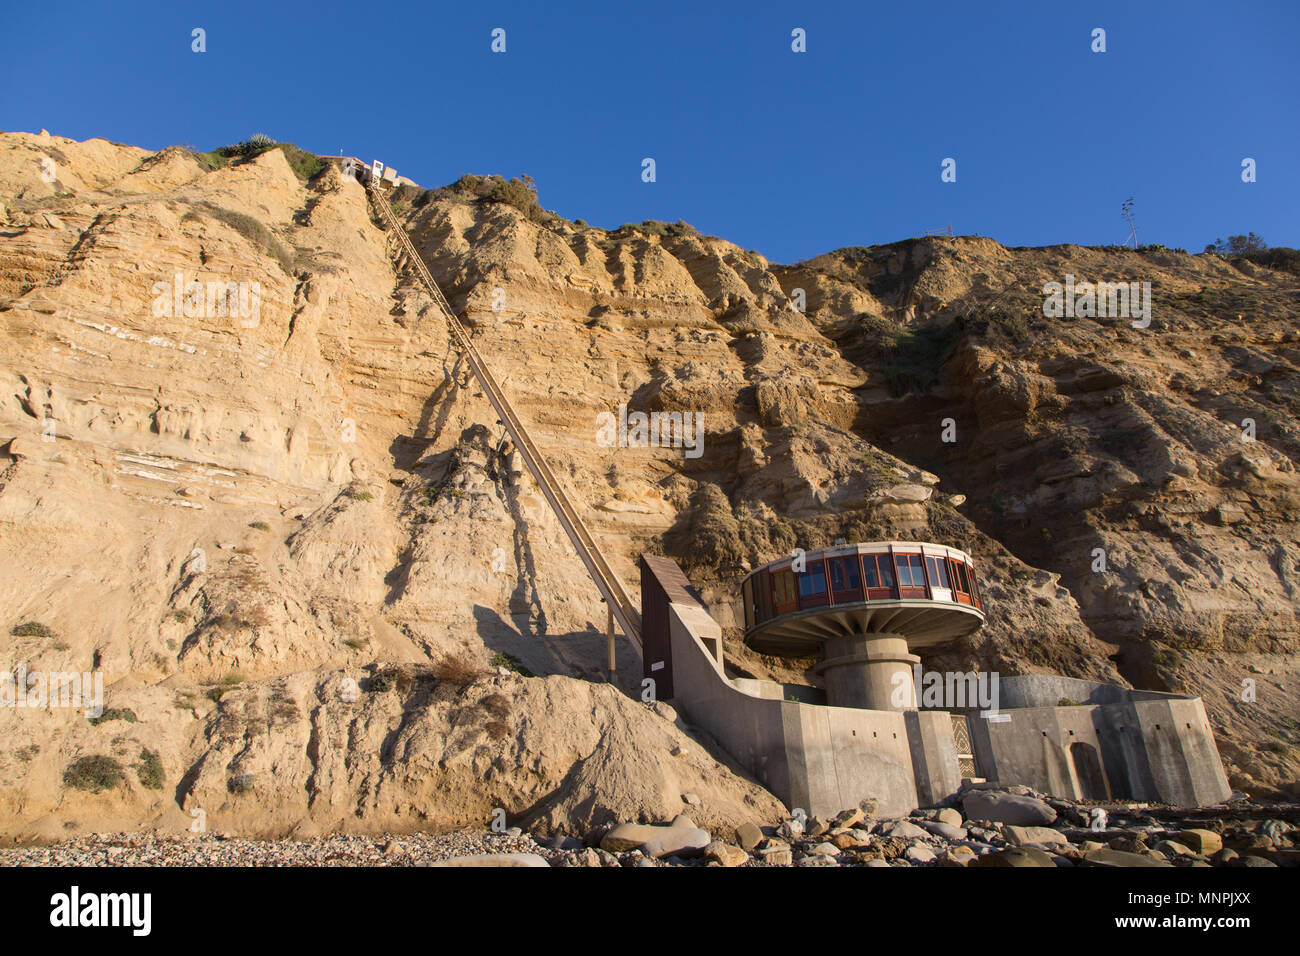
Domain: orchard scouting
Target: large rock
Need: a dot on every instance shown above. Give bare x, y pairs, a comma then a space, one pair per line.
492, 859
1119, 858
1000, 807
945, 830
725, 853
1170, 849
749, 836
901, 830
949, 816
682, 841
919, 854
656, 841
1015, 856
849, 818
1019, 836
850, 838
1204, 842
777, 854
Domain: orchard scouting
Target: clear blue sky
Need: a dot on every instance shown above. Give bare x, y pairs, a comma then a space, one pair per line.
790, 154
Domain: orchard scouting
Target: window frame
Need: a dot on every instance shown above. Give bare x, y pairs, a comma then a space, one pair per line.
936, 567
881, 561
904, 559
814, 598
849, 565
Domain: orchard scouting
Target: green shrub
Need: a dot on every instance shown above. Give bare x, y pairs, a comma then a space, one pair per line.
909, 359
511, 663
305, 165
256, 144
227, 683
96, 774
653, 227
1238, 245
210, 161
1279, 258
381, 683
259, 525
31, 629
359, 495
115, 713
150, 769
520, 193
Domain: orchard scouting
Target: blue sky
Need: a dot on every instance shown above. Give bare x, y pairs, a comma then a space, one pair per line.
792, 154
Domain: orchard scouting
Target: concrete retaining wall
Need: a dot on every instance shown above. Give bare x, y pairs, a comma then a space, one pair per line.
1158, 749
1047, 690
819, 758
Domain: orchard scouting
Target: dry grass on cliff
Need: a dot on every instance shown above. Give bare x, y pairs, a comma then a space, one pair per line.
455, 669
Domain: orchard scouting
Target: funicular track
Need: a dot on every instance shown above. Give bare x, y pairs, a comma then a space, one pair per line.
620, 607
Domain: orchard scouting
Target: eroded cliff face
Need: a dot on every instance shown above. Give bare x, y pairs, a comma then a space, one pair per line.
274, 503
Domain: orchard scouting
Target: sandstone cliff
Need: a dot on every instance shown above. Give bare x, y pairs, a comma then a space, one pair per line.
256, 508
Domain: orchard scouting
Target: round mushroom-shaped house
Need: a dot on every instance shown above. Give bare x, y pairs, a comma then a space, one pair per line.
865, 608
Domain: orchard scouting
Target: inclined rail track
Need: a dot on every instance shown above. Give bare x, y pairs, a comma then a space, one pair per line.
621, 608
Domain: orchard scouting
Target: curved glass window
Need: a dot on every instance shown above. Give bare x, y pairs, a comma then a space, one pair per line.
844, 574
910, 572
812, 582
938, 569
879, 571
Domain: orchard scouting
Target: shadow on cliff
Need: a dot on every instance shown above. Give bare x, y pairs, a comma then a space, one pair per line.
577, 654
434, 413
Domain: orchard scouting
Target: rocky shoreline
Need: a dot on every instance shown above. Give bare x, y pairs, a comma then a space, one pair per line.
1012, 827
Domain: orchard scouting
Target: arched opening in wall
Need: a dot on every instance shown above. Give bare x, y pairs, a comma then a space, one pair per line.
1087, 770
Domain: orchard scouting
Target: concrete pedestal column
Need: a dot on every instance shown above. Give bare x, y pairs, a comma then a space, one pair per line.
871, 671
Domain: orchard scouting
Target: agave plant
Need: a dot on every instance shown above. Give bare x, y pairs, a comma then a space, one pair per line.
256, 143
